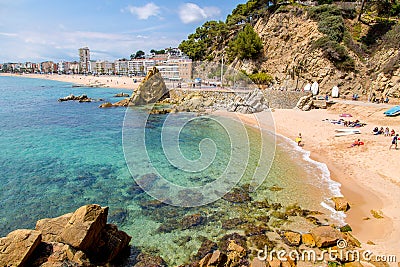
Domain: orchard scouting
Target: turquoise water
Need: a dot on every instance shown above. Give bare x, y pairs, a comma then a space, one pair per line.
56, 157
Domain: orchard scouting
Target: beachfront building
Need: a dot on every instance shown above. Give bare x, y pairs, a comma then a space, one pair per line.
84, 59
101, 67
48, 67
179, 69
138, 67
121, 67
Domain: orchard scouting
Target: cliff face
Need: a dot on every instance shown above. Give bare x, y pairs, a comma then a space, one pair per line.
289, 57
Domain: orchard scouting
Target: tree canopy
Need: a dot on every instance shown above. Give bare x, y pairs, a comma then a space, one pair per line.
247, 45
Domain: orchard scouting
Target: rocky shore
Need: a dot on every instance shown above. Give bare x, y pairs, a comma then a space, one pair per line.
82, 238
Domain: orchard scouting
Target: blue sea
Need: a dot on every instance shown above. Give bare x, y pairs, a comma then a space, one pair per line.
57, 156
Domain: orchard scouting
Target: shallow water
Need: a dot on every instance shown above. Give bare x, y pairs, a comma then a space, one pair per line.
58, 156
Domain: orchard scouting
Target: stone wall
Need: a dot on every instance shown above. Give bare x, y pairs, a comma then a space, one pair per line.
275, 98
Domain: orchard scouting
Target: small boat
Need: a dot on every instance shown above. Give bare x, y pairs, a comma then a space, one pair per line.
394, 111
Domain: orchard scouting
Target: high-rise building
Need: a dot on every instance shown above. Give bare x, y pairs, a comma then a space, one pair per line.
84, 59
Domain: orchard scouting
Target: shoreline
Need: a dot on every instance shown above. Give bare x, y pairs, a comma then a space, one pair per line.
364, 188
116, 82
367, 174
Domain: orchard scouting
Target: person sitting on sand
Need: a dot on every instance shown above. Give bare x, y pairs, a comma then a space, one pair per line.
387, 131
375, 130
392, 132
394, 142
298, 139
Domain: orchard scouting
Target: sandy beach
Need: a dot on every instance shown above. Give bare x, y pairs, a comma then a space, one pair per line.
368, 173
121, 82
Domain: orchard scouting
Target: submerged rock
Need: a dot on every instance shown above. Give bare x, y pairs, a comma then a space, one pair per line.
237, 195
206, 247
147, 260
192, 221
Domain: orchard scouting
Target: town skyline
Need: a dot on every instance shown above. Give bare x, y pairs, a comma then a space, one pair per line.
32, 31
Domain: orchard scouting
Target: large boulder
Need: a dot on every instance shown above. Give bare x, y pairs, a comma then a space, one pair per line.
51, 229
252, 103
150, 91
18, 246
325, 236
83, 229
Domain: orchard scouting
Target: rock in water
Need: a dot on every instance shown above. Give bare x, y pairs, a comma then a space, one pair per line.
83, 229
17, 247
150, 91
341, 204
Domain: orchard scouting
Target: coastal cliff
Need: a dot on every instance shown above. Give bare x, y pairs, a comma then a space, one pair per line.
335, 45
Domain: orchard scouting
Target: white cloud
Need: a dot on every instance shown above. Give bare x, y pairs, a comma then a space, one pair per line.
190, 13
144, 12
8, 34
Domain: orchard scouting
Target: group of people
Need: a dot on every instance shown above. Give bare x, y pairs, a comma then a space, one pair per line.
385, 131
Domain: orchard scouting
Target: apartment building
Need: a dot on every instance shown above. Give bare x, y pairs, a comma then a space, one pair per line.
175, 69
84, 60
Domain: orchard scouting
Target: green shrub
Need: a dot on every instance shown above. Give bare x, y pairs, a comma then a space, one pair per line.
261, 78
322, 2
392, 38
336, 53
330, 21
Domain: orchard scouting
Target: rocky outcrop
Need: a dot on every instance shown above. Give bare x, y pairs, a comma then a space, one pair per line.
151, 90
80, 98
18, 246
252, 103
82, 238
51, 229
123, 103
325, 236
83, 229
341, 204
291, 238
122, 95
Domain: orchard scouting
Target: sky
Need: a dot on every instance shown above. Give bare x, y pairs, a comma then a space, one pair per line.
41, 30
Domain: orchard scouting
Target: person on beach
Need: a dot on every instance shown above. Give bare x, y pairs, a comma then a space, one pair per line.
392, 132
387, 131
357, 143
298, 140
394, 142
